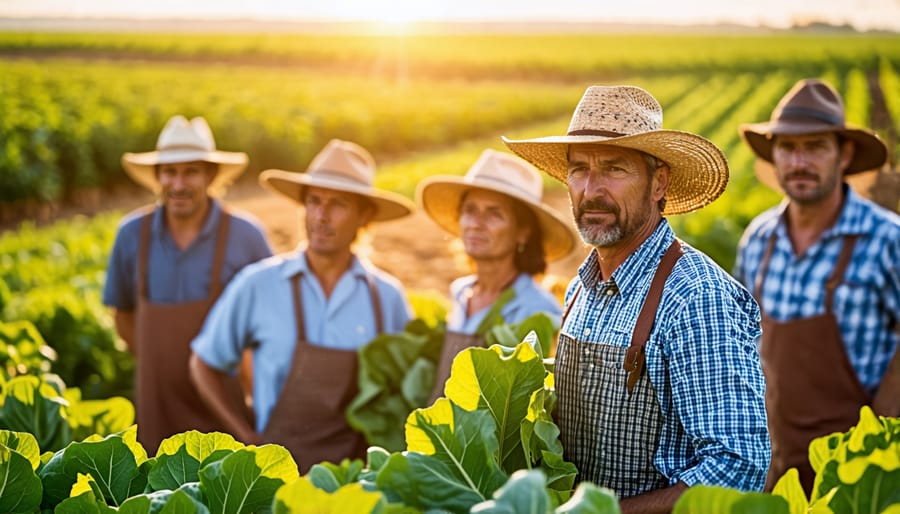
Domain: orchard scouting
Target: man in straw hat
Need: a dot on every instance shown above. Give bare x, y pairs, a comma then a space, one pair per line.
305, 314
657, 374
170, 263
508, 234
825, 268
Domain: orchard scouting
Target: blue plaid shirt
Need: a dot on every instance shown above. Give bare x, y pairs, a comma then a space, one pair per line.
701, 359
867, 302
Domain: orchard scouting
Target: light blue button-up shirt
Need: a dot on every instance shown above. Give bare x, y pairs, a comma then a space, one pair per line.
176, 275
530, 298
257, 309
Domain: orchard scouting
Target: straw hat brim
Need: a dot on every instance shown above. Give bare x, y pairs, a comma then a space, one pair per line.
698, 168
141, 167
440, 197
388, 205
871, 153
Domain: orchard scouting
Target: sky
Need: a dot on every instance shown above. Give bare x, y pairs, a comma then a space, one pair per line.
862, 14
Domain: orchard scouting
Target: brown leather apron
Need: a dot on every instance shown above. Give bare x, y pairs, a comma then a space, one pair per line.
166, 402
608, 413
811, 388
309, 417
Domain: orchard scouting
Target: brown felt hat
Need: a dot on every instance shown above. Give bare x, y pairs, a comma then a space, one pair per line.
810, 107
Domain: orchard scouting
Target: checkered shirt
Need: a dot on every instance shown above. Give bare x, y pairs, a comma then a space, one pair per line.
702, 360
866, 303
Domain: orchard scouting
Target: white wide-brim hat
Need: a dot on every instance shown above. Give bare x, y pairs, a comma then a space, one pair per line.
185, 141
440, 196
629, 117
340, 166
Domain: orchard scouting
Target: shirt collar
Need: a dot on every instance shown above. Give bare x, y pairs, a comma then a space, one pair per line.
210, 224
636, 267
296, 263
852, 220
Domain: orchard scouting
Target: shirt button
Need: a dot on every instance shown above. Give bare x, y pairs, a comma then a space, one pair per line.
587, 331
360, 329
610, 292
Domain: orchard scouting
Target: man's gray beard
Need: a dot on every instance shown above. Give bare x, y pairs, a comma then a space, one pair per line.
600, 240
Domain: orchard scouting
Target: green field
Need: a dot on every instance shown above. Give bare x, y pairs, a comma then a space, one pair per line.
71, 104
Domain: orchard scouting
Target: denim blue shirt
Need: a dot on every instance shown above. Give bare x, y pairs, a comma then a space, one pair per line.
701, 356
530, 298
867, 302
176, 275
257, 309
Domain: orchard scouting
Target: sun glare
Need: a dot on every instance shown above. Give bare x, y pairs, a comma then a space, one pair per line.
397, 12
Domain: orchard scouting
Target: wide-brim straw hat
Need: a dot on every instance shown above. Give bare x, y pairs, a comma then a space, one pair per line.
440, 196
811, 107
185, 141
629, 117
340, 166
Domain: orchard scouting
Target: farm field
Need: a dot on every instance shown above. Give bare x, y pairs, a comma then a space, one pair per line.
71, 104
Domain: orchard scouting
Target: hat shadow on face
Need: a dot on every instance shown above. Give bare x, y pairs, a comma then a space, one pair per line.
182, 141
440, 197
340, 166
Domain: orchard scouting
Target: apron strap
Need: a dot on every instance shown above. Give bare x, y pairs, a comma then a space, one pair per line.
215, 280
376, 303
763, 268
144, 254
837, 275
298, 305
569, 305
834, 280
634, 358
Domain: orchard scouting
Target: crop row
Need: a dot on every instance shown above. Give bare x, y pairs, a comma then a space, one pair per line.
555, 56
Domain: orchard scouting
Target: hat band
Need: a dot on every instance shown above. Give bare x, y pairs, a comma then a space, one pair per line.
592, 132
811, 113
183, 147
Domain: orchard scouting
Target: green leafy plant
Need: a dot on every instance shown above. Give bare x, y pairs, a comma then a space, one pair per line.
856, 471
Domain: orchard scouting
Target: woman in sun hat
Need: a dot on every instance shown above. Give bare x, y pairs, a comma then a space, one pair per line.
168, 265
509, 235
305, 314
657, 375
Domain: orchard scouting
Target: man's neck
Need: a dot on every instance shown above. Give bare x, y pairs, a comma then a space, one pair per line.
610, 258
184, 230
807, 222
329, 268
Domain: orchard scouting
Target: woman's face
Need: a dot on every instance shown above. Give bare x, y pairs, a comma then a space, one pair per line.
488, 226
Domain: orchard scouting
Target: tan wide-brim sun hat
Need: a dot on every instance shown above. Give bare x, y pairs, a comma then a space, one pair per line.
811, 106
629, 117
440, 196
340, 166
185, 141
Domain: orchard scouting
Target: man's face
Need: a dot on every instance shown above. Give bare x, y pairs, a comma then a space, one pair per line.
613, 194
332, 220
183, 187
488, 226
809, 167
